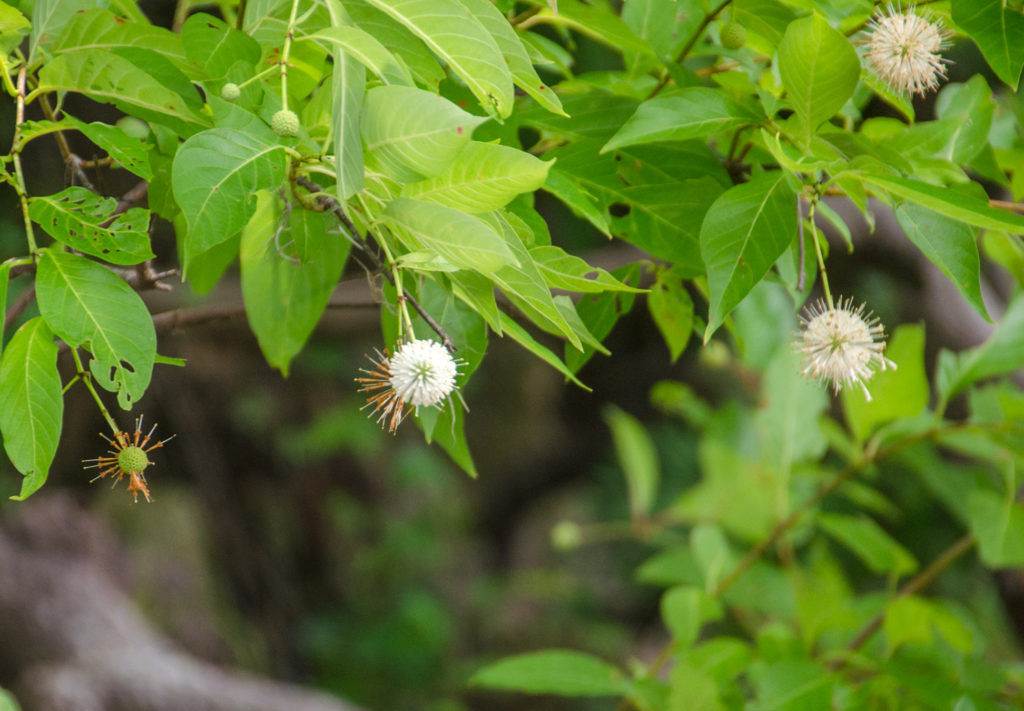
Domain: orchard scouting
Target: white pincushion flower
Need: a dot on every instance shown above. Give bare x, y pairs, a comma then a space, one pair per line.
842, 345
904, 49
421, 372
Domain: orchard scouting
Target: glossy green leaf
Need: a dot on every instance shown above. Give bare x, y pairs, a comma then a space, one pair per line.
553, 671
517, 333
902, 392
128, 152
955, 204
31, 403
691, 113
819, 68
869, 542
638, 459
88, 305
285, 295
562, 270
348, 88
368, 51
951, 245
110, 78
463, 240
482, 177
457, 37
81, 219
745, 231
412, 133
216, 175
519, 64
672, 310
212, 44
997, 30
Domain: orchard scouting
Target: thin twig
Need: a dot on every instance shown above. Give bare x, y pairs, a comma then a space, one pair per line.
329, 203
20, 304
800, 236
708, 19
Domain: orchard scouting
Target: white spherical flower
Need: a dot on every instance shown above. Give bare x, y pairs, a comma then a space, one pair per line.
423, 372
903, 49
841, 344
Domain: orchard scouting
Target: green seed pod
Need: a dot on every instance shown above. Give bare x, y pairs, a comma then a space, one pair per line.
134, 127
230, 92
132, 459
285, 123
733, 35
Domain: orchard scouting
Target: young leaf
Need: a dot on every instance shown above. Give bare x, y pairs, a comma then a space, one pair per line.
482, 177
31, 403
456, 36
412, 133
81, 219
672, 310
553, 671
88, 305
285, 295
638, 459
745, 231
997, 30
819, 68
694, 112
216, 174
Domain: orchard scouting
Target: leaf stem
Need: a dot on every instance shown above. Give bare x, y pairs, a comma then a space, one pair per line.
286, 52
86, 379
818, 254
16, 155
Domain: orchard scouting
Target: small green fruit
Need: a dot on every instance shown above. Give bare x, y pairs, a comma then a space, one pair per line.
733, 35
136, 128
132, 459
285, 123
230, 92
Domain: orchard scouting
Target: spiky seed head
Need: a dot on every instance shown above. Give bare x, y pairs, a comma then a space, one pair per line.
132, 459
285, 123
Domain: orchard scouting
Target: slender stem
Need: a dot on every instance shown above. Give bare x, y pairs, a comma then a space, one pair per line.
691, 43
801, 251
86, 378
286, 52
16, 155
818, 254
1007, 205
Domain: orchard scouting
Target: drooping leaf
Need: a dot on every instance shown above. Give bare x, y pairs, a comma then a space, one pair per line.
284, 294
599, 22
638, 459
869, 542
348, 89
88, 305
672, 310
553, 671
31, 403
213, 45
997, 30
412, 133
745, 231
398, 40
110, 78
129, 152
368, 50
216, 175
562, 270
685, 610
482, 177
694, 112
517, 333
82, 220
819, 68
997, 523
455, 35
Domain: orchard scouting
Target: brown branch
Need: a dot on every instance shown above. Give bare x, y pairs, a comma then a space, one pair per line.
708, 19
181, 318
20, 304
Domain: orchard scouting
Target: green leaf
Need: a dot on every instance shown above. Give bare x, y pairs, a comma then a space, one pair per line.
553, 671
216, 174
596, 21
110, 78
100, 29
398, 40
691, 113
638, 459
600, 314
955, 204
130, 153
463, 240
412, 133
951, 245
285, 295
5, 271
685, 610
457, 37
81, 219
48, 20
519, 64
482, 177
7, 700
31, 403
745, 231
348, 89
712, 552
900, 392
213, 45
819, 68
869, 542
997, 30
581, 202
13, 26
1003, 352
793, 685
914, 619
566, 271
88, 305
787, 419
517, 333
672, 310
997, 523
365, 48
970, 108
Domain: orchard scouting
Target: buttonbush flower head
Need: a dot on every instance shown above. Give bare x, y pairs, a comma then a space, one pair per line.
420, 373
903, 49
841, 344
128, 458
